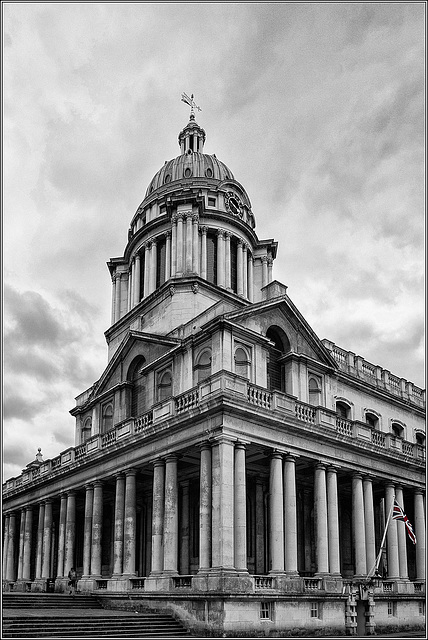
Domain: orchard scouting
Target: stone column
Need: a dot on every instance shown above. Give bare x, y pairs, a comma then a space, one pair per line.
10, 568
39, 548
158, 513
28, 535
227, 265
47, 540
97, 528
420, 535
87, 530
321, 524
119, 514
358, 525
137, 279
113, 299
260, 563
195, 263
204, 252
244, 270
391, 535
369, 524
185, 530
276, 513
118, 292
290, 511
147, 269
333, 522
21, 543
401, 536
240, 512
179, 269
264, 271
239, 269
205, 508
167, 255
222, 504
70, 533
220, 258
153, 265
61, 535
189, 243
173, 245
6, 542
250, 278
270, 269
130, 523
170, 558
129, 305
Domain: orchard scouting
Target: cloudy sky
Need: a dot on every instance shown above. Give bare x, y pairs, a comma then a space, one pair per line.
318, 109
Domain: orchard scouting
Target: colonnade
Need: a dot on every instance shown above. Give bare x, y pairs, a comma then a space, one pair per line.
184, 251
222, 523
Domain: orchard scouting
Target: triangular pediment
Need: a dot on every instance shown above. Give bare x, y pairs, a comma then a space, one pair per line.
283, 314
136, 344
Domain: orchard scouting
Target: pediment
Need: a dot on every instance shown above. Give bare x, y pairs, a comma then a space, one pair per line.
282, 314
136, 344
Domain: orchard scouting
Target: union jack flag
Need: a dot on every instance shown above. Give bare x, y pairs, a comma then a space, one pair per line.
398, 514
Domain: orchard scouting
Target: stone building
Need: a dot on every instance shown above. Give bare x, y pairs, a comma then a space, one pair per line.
228, 465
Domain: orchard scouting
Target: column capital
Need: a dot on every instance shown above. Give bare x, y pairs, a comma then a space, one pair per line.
264, 258
204, 445
195, 217
276, 454
98, 483
292, 457
220, 233
270, 261
71, 492
159, 462
204, 230
130, 472
167, 234
89, 486
240, 445
320, 464
227, 235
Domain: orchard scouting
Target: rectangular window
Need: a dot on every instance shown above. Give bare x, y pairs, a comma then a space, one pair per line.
211, 202
314, 610
392, 608
266, 611
421, 608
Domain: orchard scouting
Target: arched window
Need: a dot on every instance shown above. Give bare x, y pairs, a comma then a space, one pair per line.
164, 389
234, 264
203, 365
107, 417
343, 410
397, 429
138, 390
372, 420
86, 430
275, 371
314, 384
242, 362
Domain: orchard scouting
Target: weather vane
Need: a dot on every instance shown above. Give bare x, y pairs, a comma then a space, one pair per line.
192, 104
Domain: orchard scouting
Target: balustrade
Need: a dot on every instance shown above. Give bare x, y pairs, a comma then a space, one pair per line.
343, 426
187, 400
305, 412
263, 582
311, 584
143, 422
108, 438
378, 438
181, 582
259, 396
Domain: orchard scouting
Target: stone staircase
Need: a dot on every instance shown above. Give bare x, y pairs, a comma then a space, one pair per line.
63, 616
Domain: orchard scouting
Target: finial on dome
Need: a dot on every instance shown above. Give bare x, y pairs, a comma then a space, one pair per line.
192, 104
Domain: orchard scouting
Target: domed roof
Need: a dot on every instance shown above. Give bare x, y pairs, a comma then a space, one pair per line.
190, 165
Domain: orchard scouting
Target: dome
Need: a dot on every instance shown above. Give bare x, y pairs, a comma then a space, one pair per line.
190, 165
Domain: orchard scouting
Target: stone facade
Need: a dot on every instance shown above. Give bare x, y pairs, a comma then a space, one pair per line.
228, 465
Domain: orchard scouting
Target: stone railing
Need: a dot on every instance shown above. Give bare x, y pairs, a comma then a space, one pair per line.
312, 584
137, 583
374, 375
263, 582
222, 385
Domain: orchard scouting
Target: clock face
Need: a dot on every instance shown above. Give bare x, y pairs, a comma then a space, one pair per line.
233, 204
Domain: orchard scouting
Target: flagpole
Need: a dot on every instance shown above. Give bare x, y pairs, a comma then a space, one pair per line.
376, 564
